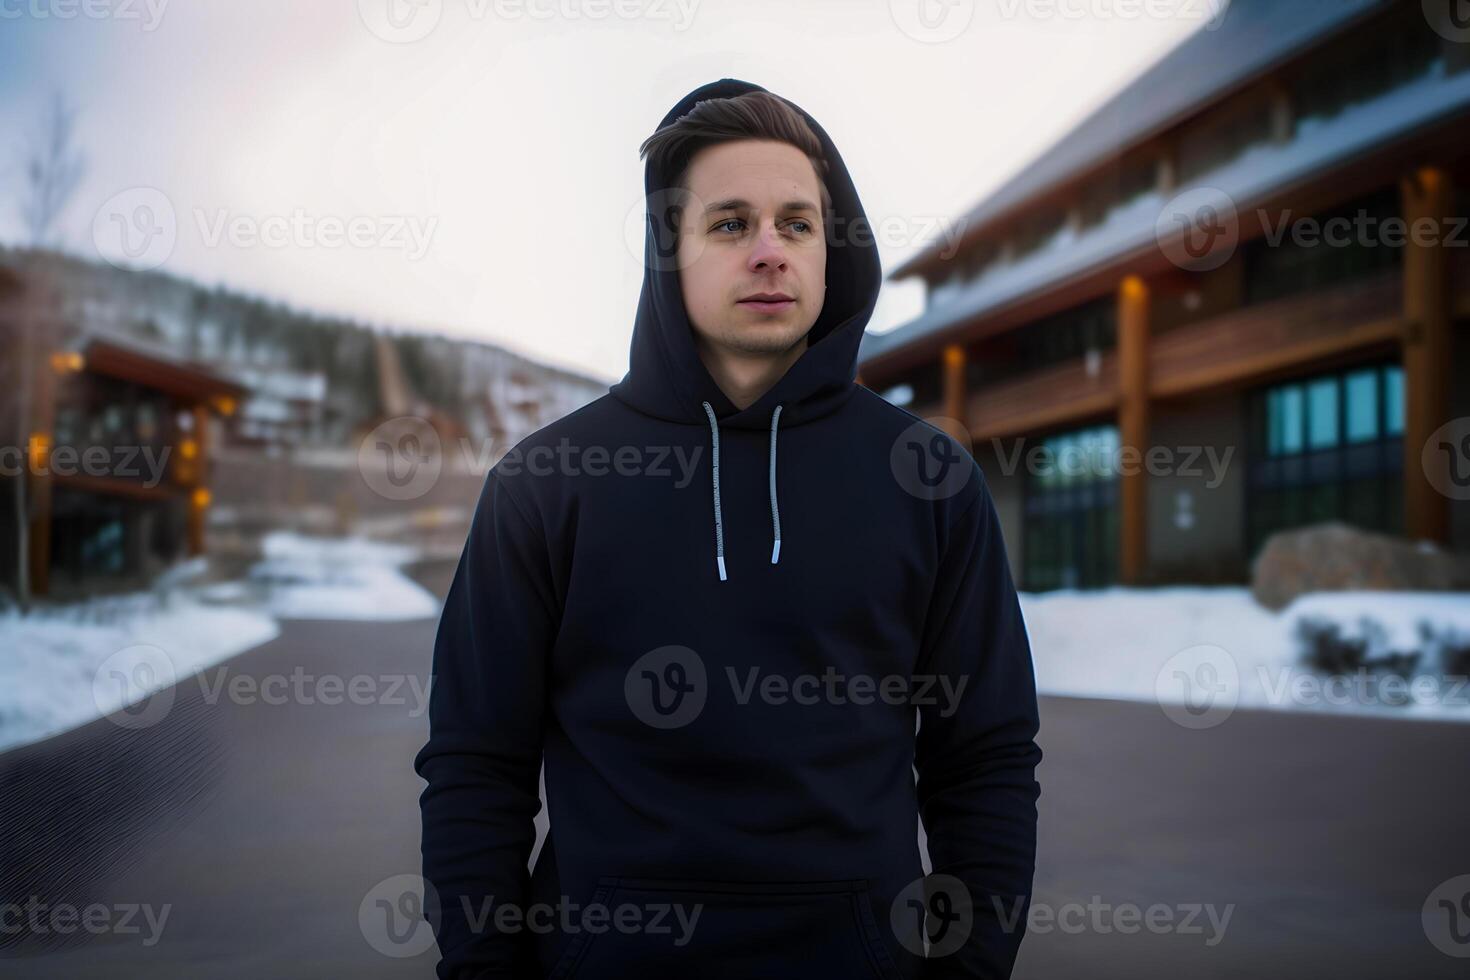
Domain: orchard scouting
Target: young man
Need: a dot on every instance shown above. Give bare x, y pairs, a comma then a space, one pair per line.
722, 653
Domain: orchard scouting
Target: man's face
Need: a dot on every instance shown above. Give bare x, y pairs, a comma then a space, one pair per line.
753, 226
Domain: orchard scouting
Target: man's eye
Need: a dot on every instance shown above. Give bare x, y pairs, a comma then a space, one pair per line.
805, 226
729, 221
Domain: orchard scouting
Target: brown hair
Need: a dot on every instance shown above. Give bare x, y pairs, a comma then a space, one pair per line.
752, 116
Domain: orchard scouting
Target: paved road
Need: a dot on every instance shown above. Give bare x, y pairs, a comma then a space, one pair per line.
261, 828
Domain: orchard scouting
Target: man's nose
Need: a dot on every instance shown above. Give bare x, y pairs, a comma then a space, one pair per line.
770, 248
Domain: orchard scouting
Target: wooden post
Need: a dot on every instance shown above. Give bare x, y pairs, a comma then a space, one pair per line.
197, 495
1427, 196
1133, 426
954, 385
40, 442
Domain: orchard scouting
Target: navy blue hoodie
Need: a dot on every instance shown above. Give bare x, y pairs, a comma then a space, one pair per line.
734, 663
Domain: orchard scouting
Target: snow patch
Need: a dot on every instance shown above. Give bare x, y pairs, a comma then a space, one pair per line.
1116, 643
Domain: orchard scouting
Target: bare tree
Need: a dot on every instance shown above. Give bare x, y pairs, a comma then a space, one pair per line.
51, 167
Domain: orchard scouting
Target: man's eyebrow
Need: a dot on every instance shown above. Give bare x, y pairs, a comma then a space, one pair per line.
738, 204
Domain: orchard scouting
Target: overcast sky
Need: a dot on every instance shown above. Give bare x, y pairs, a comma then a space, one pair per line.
484, 155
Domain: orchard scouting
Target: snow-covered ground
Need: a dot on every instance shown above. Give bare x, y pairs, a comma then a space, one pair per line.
349, 578
63, 666
66, 666
1169, 645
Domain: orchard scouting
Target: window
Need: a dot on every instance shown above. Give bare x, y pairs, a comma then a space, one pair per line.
1070, 537
1328, 448
1044, 343
1286, 268
1374, 59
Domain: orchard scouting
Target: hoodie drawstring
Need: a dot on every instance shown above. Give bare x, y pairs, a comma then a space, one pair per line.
775, 514
714, 432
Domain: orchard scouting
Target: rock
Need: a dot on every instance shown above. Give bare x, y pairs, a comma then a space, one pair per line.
1335, 556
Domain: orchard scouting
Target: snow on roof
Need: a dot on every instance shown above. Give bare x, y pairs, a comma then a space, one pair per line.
1316, 146
1250, 37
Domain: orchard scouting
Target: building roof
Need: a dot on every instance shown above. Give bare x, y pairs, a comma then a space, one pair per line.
1252, 37
154, 367
1246, 181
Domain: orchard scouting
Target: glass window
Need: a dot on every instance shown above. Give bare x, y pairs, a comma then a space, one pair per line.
1070, 531
1393, 400
1322, 414
1362, 405
1343, 430
1284, 408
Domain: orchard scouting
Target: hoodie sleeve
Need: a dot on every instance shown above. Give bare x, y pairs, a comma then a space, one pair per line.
482, 760
976, 753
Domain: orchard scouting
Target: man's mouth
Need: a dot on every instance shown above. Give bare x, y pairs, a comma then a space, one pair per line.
768, 302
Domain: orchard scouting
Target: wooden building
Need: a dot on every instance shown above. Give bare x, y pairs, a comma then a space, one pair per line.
115, 449
1215, 261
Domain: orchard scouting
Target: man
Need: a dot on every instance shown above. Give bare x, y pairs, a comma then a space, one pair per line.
723, 652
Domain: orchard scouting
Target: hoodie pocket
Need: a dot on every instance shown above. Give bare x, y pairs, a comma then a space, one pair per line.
655, 928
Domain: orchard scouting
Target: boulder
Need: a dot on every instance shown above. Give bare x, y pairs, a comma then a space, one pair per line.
1335, 556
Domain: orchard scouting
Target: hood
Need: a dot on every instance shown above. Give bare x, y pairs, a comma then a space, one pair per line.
667, 380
